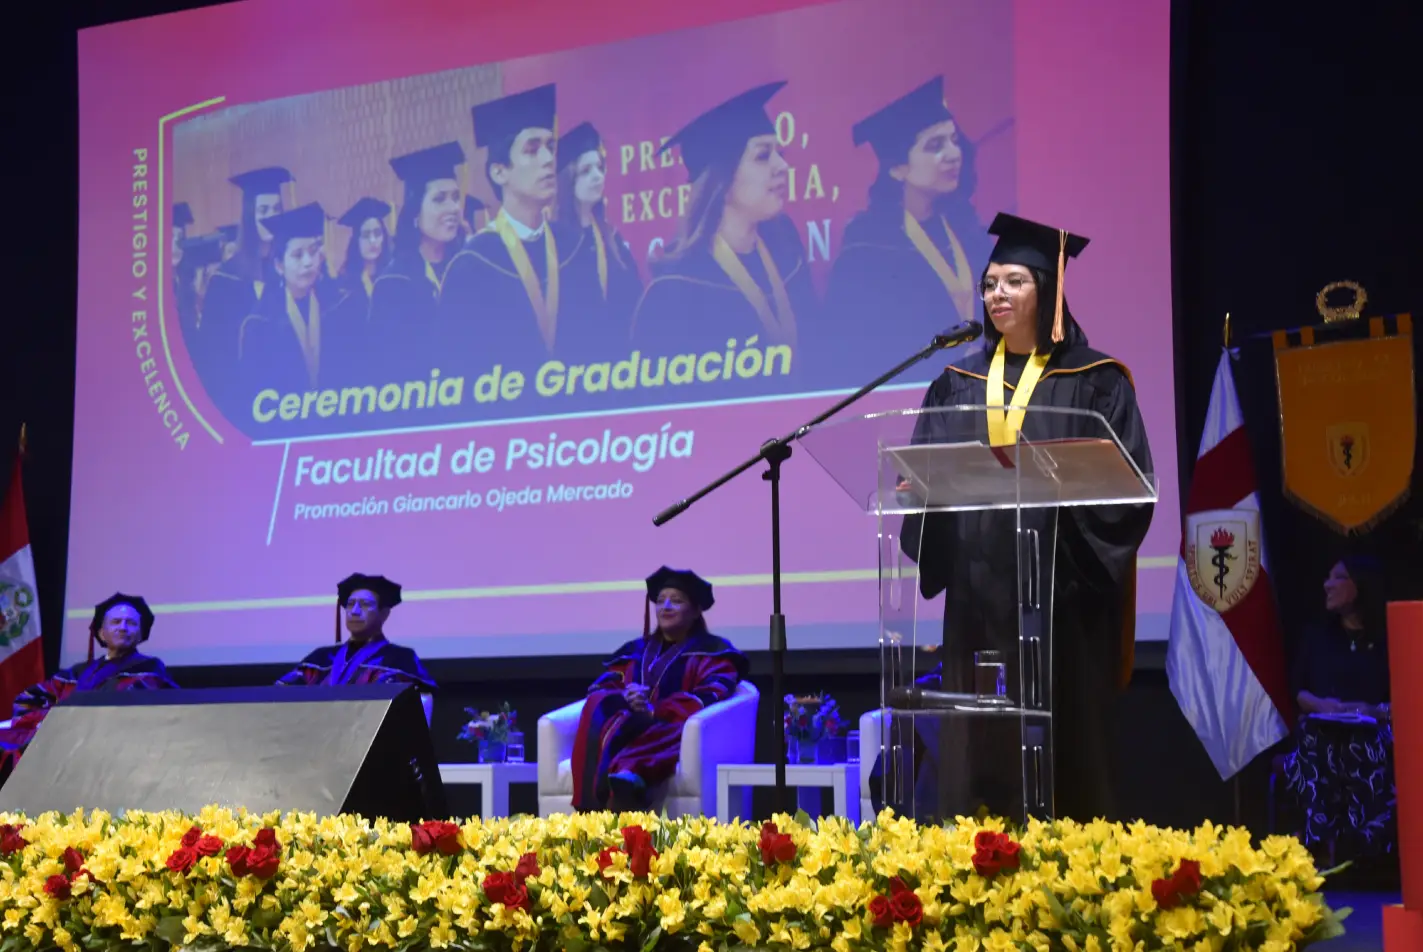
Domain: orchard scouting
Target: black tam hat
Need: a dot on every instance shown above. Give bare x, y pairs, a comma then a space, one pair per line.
202, 251
506, 117
689, 583
1034, 245
363, 211
419, 168
136, 602
891, 131
719, 135
387, 593
264, 181
579, 141
308, 221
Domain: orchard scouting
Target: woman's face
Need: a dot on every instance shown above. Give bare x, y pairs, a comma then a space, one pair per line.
122, 629
590, 177
264, 207
301, 265
675, 611
440, 211
760, 186
1013, 301
935, 162
1340, 592
372, 237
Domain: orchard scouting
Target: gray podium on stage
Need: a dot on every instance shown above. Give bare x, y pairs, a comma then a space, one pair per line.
967, 705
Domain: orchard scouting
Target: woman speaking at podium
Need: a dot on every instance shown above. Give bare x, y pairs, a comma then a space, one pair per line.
1035, 355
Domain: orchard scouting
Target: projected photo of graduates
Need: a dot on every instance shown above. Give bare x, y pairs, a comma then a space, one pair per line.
779, 206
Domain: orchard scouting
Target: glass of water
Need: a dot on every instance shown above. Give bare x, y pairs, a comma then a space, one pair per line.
514, 748
852, 747
990, 677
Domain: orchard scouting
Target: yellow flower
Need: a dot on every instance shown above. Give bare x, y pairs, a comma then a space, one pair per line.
747, 932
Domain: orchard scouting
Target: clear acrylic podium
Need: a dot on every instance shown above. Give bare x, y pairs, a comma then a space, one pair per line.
967, 695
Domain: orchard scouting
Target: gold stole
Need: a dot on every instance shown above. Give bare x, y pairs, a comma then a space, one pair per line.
957, 280
545, 309
602, 259
308, 332
782, 329
430, 273
1003, 426
367, 283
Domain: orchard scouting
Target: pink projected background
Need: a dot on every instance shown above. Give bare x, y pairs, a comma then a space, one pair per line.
172, 501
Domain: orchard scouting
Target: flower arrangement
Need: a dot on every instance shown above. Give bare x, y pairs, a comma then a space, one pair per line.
232, 879
487, 727
811, 717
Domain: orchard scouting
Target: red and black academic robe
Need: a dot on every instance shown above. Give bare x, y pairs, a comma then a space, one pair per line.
972, 558
683, 679
133, 672
373, 662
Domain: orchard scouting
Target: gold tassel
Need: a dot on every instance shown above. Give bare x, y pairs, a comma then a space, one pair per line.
23, 441
328, 244
1057, 330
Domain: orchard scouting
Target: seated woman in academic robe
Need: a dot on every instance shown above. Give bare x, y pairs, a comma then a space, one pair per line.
1342, 771
366, 657
630, 734
120, 624
738, 271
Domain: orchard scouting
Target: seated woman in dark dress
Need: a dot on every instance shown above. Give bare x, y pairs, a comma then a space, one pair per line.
630, 734
121, 623
1342, 771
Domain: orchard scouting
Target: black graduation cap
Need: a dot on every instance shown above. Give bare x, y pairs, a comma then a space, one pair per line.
363, 211
264, 181
145, 616
508, 116
387, 593
1034, 245
689, 583
182, 215
577, 142
417, 168
307, 221
202, 251
891, 131
720, 134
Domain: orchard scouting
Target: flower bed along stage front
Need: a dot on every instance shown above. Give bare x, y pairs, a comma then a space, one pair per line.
226, 879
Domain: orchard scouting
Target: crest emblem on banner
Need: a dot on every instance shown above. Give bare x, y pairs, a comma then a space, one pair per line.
1348, 424
1223, 556
16, 598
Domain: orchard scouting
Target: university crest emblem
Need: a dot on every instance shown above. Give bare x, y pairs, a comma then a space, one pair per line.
16, 602
1223, 556
1348, 447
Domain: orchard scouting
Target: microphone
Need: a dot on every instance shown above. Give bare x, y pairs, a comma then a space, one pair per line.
962, 334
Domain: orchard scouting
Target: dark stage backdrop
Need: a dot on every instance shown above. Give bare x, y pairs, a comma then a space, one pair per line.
1292, 167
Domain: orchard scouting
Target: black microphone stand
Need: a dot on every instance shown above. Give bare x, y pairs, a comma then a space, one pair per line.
773, 453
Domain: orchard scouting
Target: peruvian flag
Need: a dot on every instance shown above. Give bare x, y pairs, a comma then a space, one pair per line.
1226, 656
21, 651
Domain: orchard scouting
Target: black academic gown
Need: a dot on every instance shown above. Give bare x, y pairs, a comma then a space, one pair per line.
885, 300
691, 306
271, 358
232, 296
595, 322
485, 314
401, 320
972, 559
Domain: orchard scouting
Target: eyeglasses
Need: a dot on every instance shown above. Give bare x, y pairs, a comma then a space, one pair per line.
1010, 285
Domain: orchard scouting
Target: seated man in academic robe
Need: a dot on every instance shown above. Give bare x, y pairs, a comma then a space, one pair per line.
367, 657
630, 733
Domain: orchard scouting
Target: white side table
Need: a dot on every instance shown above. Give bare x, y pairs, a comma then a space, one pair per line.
493, 780
842, 779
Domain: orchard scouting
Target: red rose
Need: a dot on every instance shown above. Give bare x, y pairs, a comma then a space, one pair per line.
11, 841
422, 841
995, 853
904, 906
1188, 877
266, 836
498, 887
190, 838
879, 908
73, 860
986, 864
263, 861
208, 846
1008, 856
435, 836
528, 868
605, 858
776, 847
182, 859
57, 886
237, 860
637, 843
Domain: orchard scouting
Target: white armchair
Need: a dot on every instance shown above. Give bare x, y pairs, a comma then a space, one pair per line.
870, 723
723, 733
